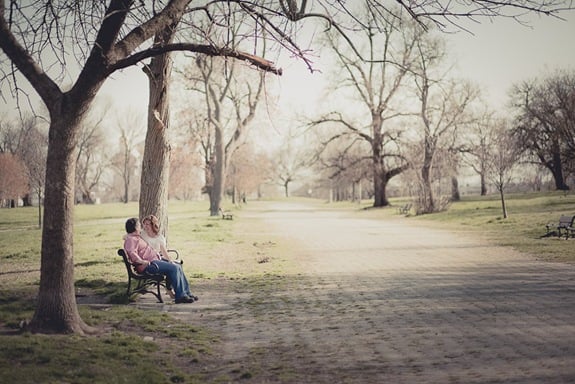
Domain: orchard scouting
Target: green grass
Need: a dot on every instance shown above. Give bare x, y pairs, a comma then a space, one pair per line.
524, 227
121, 354
116, 356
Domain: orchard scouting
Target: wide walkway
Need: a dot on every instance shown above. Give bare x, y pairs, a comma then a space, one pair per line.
389, 302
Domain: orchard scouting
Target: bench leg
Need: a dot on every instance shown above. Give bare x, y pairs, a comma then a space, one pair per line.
158, 294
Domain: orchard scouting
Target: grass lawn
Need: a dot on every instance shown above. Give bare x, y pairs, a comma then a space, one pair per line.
135, 346
523, 229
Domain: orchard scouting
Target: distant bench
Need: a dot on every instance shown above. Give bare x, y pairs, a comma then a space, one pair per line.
565, 227
226, 215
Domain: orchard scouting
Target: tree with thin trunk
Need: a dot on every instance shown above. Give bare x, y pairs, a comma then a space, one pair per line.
292, 159
124, 162
231, 98
248, 170
444, 106
92, 158
479, 141
504, 156
107, 36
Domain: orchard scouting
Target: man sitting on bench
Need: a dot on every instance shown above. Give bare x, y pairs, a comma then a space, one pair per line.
147, 260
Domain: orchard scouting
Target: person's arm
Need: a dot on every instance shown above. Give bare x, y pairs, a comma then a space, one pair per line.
131, 248
164, 249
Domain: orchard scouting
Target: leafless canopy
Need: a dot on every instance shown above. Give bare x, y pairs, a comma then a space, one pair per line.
55, 32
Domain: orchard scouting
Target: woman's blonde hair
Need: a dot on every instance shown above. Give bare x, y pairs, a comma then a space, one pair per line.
154, 222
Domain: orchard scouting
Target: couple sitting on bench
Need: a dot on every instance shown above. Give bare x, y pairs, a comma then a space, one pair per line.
148, 260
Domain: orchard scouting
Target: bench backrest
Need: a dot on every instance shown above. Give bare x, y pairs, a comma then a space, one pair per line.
566, 221
129, 266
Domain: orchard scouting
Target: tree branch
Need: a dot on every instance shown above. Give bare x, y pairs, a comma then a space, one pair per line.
42, 83
209, 50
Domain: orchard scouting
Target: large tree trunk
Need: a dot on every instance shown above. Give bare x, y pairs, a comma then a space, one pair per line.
217, 191
56, 310
455, 195
156, 161
379, 185
427, 198
380, 178
556, 169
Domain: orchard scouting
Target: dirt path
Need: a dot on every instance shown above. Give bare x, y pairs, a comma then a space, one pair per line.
386, 302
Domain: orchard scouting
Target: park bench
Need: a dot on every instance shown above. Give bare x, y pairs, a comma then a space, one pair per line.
142, 282
562, 228
226, 215
404, 210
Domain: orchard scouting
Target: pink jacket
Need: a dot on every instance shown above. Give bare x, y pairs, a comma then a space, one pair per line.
138, 250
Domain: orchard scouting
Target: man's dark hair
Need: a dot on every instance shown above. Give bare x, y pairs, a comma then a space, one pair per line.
131, 225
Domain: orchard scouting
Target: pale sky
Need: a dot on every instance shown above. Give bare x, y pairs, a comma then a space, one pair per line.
502, 52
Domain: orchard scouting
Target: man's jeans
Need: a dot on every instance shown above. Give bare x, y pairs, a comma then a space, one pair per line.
175, 275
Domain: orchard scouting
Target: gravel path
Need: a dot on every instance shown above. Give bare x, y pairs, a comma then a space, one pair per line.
385, 301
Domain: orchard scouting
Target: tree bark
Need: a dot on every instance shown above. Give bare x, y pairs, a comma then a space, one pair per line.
56, 310
455, 195
556, 168
217, 191
156, 161
380, 181
503, 205
483, 184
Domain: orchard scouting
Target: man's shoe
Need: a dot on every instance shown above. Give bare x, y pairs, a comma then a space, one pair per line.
184, 300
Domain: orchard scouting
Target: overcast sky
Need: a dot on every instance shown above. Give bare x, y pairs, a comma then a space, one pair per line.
504, 52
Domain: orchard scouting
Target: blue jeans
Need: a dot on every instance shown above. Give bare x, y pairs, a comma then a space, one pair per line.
174, 273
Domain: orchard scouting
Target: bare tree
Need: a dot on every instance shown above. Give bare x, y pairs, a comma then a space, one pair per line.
441, 116
231, 103
479, 142
288, 166
91, 158
13, 181
248, 170
504, 156
156, 160
125, 161
27, 140
111, 35
346, 165
377, 84
185, 171
545, 123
